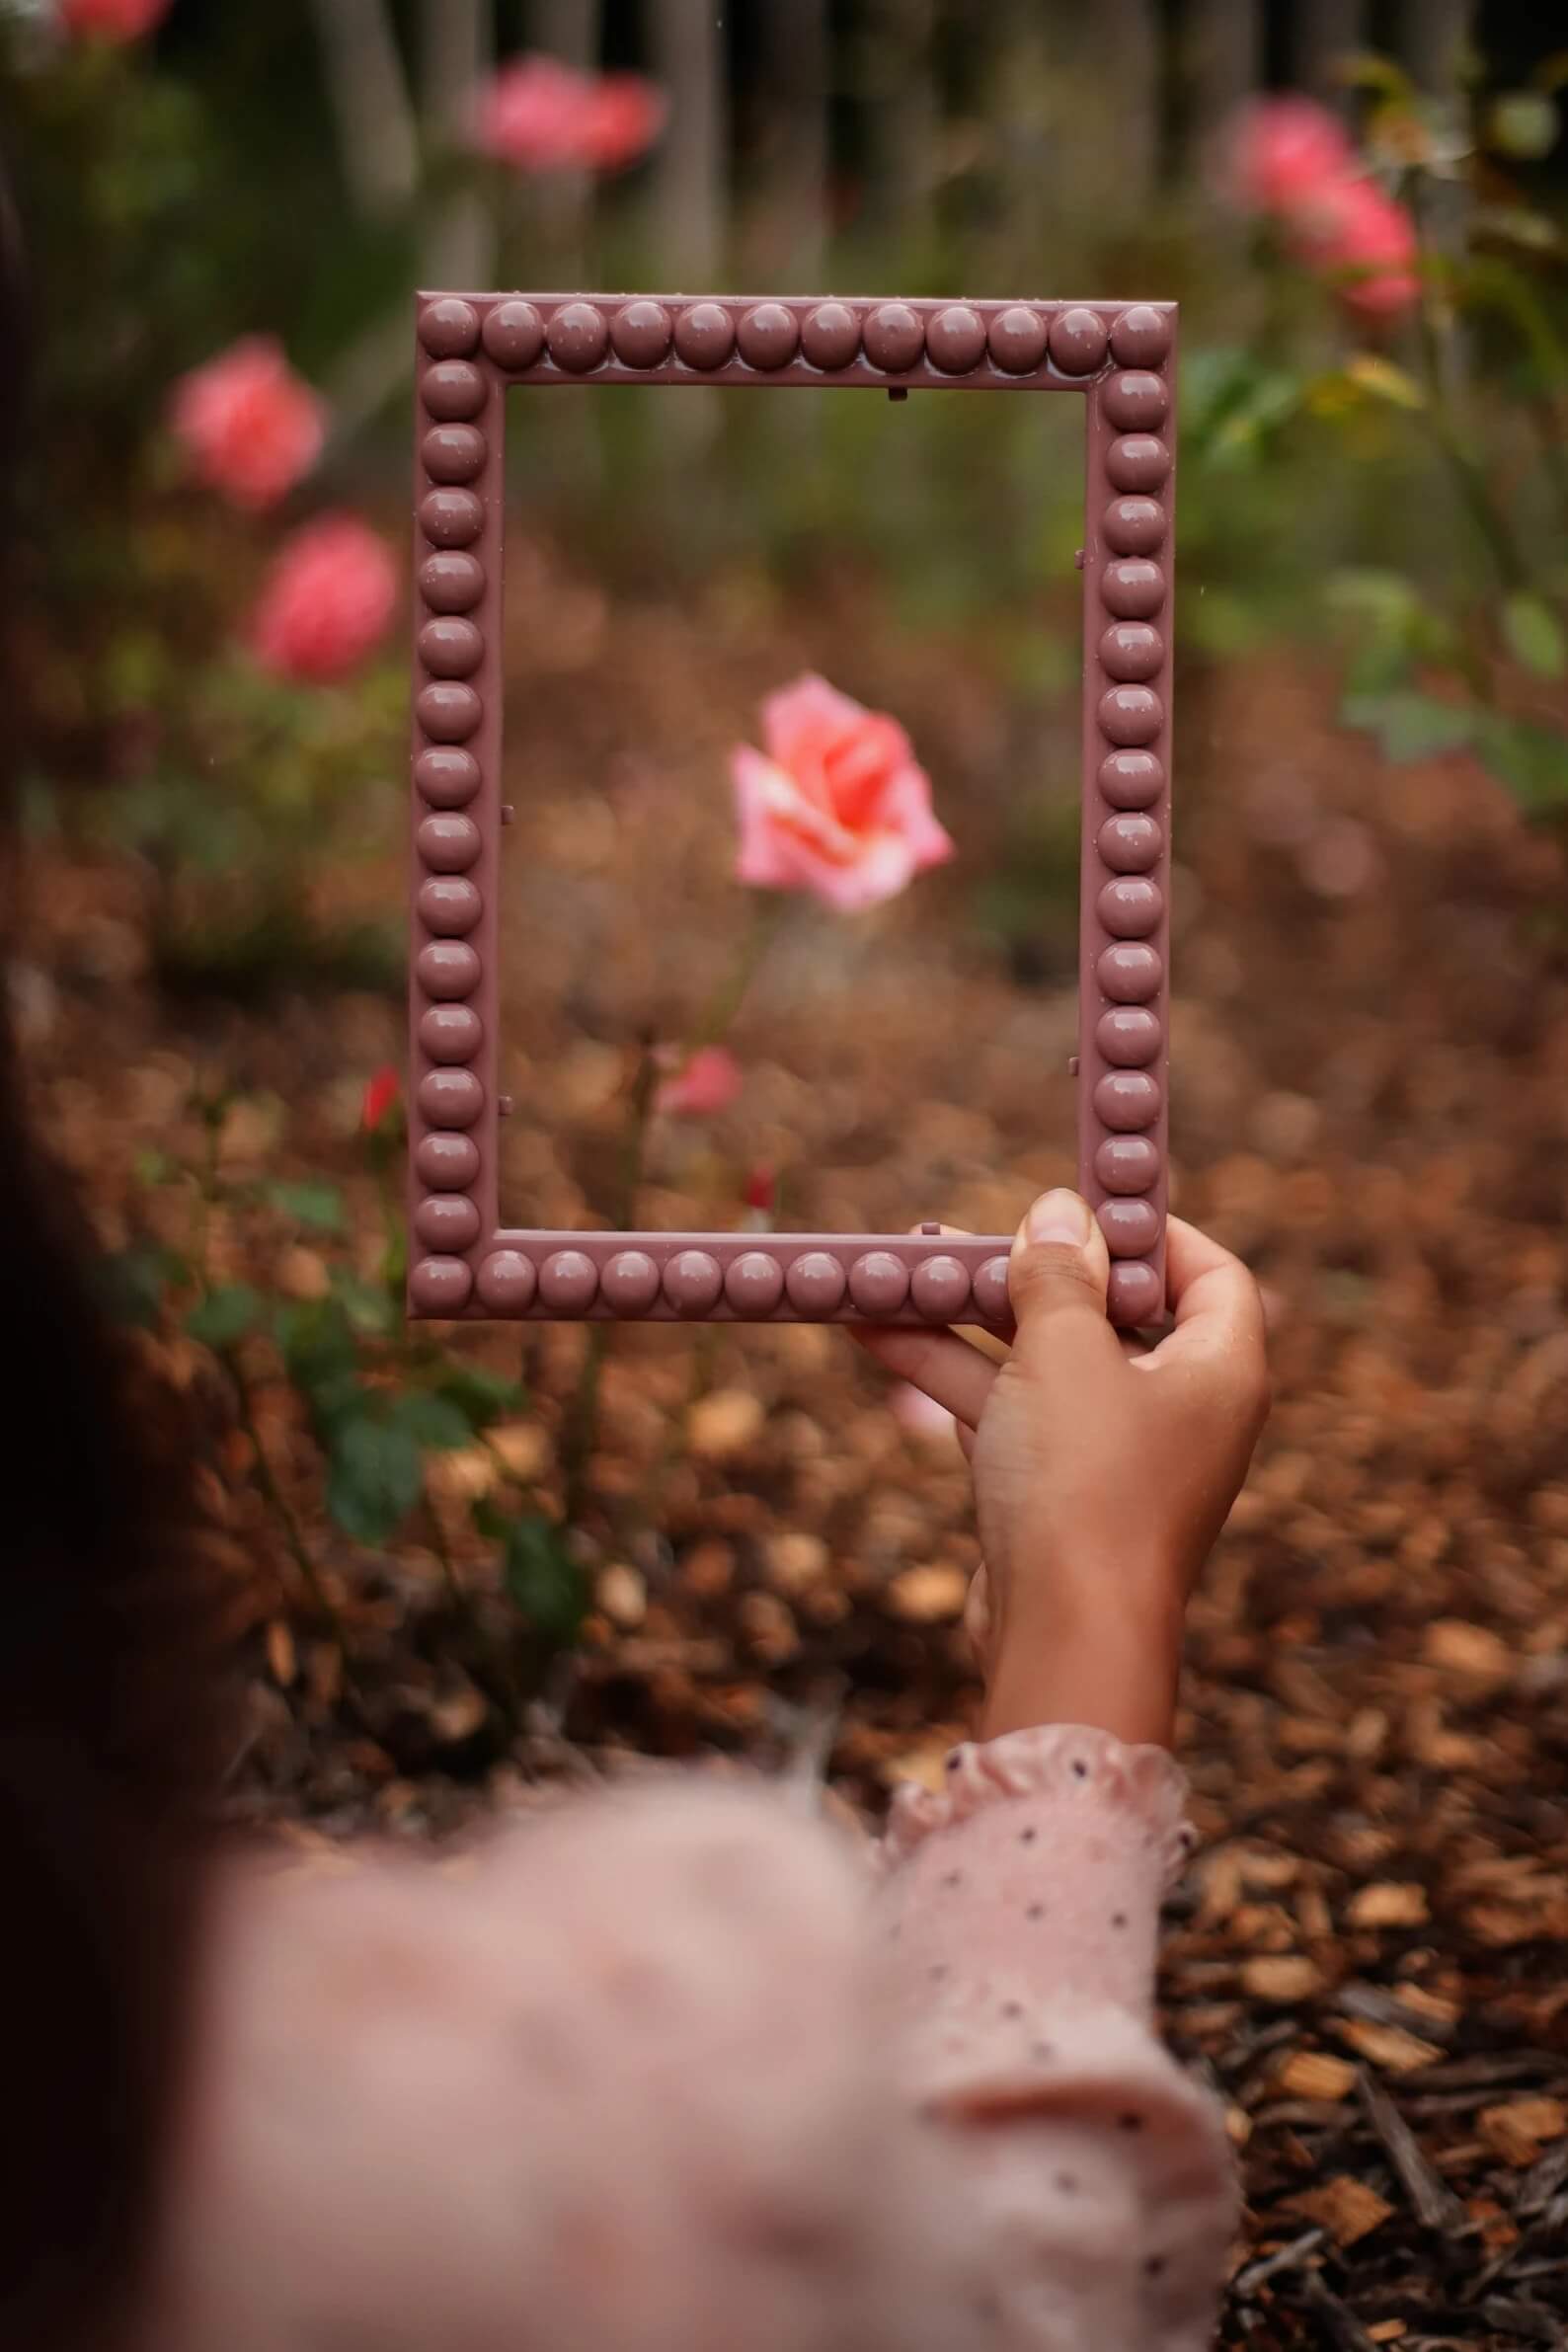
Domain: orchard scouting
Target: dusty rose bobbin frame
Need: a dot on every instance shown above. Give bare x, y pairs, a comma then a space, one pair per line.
1120, 358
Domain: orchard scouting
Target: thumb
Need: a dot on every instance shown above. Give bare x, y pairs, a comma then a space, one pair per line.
1058, 1274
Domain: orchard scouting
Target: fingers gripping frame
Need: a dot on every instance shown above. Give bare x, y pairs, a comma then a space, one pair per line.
1121, 358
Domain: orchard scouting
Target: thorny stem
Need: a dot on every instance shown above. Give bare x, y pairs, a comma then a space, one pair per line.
277, 1503
206, 1192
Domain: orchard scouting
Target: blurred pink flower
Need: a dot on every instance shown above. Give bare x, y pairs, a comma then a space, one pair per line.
1289, 158
540, 115
111, 20
626, 118
1354, 232
326, 602
250, 425
708, 1081
838, 806
1284, 151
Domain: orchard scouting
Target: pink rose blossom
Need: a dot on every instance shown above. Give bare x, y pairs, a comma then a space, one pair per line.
326, 602
1291, 159
251, 426
706, 1082
626, 116
540, 115
1355, 232
838, 805
1284, 151
111, 20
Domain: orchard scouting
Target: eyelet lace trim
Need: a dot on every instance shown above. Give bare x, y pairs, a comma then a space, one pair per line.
1063, 1762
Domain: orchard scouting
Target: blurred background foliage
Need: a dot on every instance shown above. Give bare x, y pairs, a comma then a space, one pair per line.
1389, 481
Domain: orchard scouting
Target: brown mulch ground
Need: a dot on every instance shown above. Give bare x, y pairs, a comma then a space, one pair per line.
1370, 1104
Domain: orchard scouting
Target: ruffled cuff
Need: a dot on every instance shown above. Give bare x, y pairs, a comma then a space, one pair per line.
1066, 1764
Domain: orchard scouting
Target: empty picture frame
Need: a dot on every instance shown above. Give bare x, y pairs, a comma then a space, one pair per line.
1119, 359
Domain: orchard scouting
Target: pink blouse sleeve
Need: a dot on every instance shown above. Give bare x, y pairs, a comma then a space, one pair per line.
1020, 1904
655, 2073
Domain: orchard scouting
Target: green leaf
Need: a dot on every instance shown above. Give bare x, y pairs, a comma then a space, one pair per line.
321, 1356
1409, 724
374, 1478
1535, 634
318, 1205
1522, 123
368, 1307
156, 1167
434, 1423
1380, 379
136, 1280
480, 1395
1532, 761
224, 1316
544, 1580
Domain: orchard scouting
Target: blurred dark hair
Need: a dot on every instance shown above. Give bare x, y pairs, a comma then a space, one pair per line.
103, 1690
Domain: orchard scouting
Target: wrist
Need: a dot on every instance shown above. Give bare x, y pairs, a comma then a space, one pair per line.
1101, 1648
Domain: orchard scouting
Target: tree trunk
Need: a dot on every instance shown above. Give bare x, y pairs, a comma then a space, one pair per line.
573, 31
792, 212
902, 121
370, 98
1433, 34
688, 176
455, 51
1221, 67
1322, 32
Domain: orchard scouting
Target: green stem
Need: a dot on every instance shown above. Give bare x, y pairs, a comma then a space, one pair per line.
1466, 471
767, 912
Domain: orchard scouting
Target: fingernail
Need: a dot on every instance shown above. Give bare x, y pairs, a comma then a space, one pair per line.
1059, 1217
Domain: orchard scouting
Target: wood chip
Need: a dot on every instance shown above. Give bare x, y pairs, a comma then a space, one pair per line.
796, 1562
524, 1449
929, 1595
1315, 2074
724, 1423
1347, 2208
1285, 1977
1467, 1649
1388, 1903
1519, 2128
622, 1594
1388, 2046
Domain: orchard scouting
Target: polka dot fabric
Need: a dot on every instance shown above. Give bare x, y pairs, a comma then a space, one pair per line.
663, 2072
